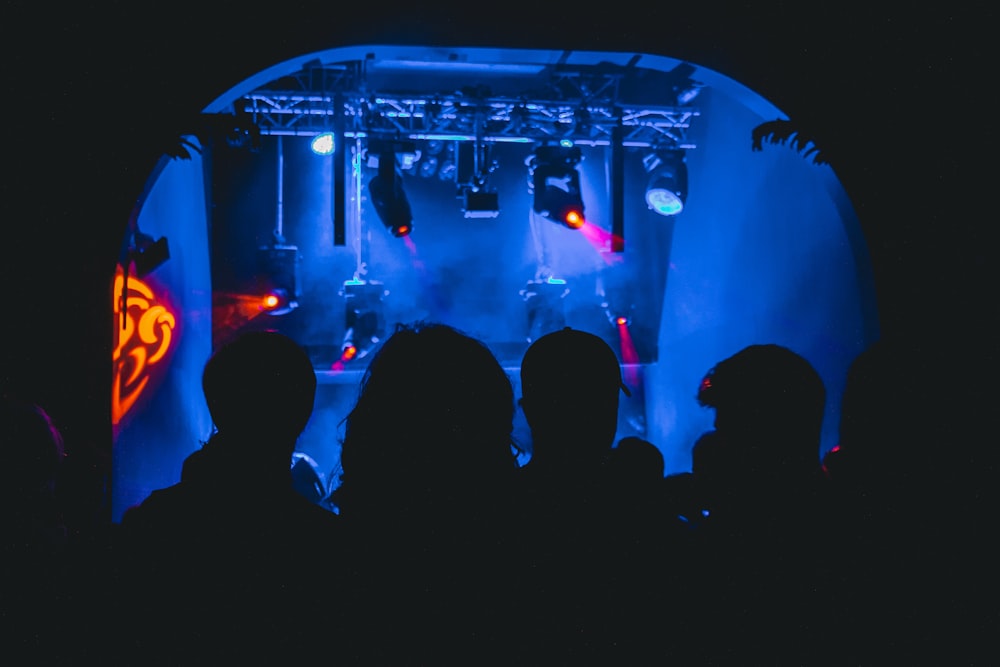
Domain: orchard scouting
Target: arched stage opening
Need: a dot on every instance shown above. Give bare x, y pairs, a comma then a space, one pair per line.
767, 248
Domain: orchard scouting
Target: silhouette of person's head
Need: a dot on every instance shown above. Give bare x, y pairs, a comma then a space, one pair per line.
635, 475
887, 440
570, 384
431, 429
634, 458
769, 403
260, 389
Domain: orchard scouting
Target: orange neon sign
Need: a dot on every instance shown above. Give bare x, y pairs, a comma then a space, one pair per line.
144, 333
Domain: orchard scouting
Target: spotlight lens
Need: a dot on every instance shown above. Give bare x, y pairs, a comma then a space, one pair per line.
323, 144
664, 201
401, 230
621, 321
574, 220
277, 302
349, 353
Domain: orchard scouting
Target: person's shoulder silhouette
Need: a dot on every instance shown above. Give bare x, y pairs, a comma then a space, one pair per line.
427, 469
430, 435
230, 537
909, 503
34, 547
571, 383
260, 390
763, 545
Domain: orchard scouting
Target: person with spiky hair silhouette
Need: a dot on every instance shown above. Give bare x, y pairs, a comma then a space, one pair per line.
594, 553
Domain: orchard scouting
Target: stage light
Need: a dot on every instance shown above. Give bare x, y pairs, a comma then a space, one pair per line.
278, 273
363, 318
148, 254
619, 315
555, 184
323, 144
270, 301
277, 302
480, 204
359, 335
666, 190
428, 166
448, 170
388, 196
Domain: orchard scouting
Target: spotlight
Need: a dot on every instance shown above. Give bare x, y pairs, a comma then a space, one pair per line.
448, 170
279, 272
277, 301
388, 197
555, 183
666, 191
323, 144
480, 203
434, 147
363, 319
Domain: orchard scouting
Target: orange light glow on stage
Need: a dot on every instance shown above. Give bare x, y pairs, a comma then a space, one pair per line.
231, 312
347, 354
574, 220
603, 241
144, 331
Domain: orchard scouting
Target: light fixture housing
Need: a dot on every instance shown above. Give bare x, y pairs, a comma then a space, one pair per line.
480, 203
388, 196
667, 187
363, 318
279, 276
555, 184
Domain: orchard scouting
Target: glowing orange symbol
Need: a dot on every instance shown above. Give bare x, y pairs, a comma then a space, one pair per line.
142, 339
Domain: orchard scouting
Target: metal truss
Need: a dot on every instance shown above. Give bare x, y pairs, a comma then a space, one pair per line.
587, 106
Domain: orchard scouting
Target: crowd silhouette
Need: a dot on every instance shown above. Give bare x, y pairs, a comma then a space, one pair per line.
438, 548
216, 567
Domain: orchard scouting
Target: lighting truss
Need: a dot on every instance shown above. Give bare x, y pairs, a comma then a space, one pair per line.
580, 104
